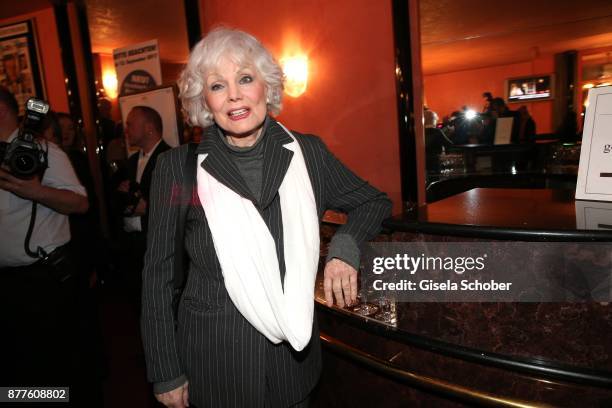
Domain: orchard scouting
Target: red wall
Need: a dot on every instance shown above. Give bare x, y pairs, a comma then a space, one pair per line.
350, 101
50, 55
448, 92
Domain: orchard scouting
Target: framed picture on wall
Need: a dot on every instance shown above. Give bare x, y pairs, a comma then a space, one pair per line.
530, 88
19, 62
165, 101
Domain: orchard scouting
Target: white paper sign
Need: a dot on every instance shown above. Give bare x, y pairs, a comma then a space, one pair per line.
138, 67
595, 170
593, 215
503, 130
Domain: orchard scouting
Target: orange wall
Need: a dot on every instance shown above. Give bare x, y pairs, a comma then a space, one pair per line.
448, 92
50, 55
350, 101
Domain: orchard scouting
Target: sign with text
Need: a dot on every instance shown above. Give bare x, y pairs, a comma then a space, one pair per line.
501, 271
595, 170
138, 67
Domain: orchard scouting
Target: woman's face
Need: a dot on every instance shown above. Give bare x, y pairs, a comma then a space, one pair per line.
236, 97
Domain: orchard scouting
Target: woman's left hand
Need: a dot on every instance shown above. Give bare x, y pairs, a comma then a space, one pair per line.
340, 279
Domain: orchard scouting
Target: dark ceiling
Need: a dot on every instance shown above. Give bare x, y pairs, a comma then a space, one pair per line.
456, 34
117, 23
465, 34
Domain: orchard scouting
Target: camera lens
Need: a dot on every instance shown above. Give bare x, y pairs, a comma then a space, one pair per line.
24, 164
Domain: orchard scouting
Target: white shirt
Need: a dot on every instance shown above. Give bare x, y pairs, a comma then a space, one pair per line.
51, 228
132, 224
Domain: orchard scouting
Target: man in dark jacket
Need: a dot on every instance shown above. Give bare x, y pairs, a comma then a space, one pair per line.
144, 130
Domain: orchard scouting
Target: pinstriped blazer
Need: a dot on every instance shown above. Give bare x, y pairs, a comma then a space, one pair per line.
227, 362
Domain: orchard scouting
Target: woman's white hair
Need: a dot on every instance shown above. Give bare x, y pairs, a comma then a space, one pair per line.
244, 50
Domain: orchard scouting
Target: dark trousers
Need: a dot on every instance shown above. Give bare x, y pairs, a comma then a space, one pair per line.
130, 251
38, 320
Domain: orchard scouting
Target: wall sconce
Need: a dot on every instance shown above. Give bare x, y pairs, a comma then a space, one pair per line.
296, 74
109, 81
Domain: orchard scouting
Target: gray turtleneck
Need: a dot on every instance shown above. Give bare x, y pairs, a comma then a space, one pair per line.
249, 161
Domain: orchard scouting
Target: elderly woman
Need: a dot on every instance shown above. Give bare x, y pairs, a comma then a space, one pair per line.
246, 333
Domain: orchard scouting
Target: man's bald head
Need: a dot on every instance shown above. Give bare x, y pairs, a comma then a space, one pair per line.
151, 116
143, 126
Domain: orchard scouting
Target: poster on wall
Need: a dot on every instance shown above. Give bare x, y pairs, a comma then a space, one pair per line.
164, 101
595, 168
19, 71
138, 67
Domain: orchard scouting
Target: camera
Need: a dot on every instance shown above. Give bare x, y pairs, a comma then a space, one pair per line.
24, 156
131, 199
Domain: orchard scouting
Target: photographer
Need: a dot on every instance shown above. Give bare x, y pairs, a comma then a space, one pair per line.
144, 130
37, 284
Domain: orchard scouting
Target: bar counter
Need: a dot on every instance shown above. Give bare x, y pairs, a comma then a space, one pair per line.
506, 213
458, 354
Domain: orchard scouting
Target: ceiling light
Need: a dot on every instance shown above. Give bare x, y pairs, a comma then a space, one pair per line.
109, 81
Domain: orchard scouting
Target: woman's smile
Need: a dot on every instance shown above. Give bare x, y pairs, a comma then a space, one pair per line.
239, 114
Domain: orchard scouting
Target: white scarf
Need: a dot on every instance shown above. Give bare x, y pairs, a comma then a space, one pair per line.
247, 253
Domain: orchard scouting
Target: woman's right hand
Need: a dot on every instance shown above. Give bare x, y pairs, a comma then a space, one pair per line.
177, 398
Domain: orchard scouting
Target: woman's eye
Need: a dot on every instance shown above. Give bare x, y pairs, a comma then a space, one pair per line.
246, 79
215, 87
